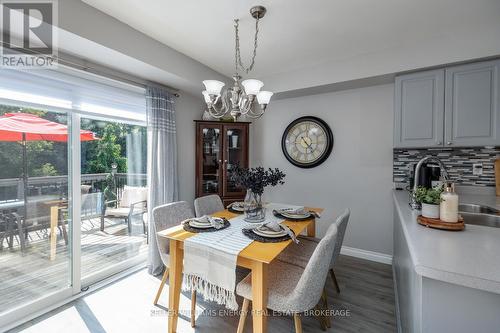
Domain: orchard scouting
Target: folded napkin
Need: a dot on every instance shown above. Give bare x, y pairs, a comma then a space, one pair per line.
275, 225
295, 210
216, 222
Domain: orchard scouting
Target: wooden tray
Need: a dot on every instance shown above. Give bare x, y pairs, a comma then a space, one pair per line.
438, 224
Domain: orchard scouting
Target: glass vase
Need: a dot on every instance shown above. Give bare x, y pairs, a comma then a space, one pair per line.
254, 209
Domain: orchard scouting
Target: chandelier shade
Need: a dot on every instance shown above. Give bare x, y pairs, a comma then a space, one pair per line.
213, 87
206, 96
263, 97
251, 86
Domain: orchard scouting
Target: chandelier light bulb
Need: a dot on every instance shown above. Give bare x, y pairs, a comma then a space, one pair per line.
213, 87
251, 86
264, 97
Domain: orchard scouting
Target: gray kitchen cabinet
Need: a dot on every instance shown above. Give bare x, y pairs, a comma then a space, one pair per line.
419, 109
454, 107
472, 98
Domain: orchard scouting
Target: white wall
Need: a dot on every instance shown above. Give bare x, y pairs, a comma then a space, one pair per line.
187, 108
358, 173
93, 35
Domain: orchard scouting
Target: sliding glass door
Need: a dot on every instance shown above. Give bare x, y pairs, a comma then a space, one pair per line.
35, 207
113, 198
72, 186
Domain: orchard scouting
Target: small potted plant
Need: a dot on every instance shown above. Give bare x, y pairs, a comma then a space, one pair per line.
430, 199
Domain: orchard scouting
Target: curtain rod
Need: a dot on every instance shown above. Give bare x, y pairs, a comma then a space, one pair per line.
88, 67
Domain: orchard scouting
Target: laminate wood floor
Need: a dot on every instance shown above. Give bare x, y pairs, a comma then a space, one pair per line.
365, 304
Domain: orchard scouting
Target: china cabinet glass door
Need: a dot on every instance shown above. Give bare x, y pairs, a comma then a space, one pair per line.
211, 160
235, 153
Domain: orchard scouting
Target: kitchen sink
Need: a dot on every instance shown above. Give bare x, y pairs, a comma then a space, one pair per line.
480, 215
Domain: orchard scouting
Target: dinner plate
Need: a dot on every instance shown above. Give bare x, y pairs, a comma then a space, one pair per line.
238, 206
294, 216
269, 234
199, 225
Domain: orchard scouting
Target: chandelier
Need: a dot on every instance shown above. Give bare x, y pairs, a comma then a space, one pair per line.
239, 100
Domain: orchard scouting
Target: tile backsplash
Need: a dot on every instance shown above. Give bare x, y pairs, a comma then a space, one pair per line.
458, 162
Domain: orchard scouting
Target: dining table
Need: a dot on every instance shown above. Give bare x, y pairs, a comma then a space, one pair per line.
257, 257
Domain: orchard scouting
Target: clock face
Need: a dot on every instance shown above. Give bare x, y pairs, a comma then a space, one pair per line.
307, 142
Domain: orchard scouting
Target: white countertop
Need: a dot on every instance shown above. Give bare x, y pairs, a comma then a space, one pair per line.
470, 258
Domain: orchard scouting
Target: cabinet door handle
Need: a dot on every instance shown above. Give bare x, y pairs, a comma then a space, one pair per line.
225, 161
439, 143
449, 143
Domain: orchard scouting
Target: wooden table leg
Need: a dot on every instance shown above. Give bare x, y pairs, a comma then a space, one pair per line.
259, 297
311, 229
54, 216
174, 288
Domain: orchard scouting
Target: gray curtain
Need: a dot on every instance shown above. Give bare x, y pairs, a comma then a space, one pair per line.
162, 162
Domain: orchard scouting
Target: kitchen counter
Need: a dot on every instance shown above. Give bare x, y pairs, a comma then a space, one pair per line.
468, 258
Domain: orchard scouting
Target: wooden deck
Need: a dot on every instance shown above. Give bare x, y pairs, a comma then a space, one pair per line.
28, 276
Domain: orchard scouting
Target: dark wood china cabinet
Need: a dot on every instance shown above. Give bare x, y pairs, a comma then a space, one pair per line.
219, 146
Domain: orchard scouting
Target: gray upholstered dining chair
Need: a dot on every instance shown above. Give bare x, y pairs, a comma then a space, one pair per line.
164, 217
299, 254
292, 289
208, 205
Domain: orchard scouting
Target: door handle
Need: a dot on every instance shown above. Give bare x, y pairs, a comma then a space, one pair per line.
449, 143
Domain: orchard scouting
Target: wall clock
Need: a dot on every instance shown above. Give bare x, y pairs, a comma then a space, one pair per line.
307, 142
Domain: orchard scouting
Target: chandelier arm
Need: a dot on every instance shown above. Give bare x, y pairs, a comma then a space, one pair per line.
219, 113
246, 105
252, 114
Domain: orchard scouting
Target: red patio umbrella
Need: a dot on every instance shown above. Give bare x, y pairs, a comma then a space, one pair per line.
23, 127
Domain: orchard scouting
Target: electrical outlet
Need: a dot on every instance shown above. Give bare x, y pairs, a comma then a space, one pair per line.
477, 169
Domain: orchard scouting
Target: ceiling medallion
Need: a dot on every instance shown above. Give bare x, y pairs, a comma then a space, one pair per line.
239, 100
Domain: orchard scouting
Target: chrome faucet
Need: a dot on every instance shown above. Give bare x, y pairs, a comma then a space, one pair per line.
413, 203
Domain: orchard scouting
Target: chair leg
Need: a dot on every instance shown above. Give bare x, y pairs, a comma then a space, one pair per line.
129, 226
21, 235
243, 315
320, 317
102, 222
332, 273
162, 283
298, 323
325, 306
193, 308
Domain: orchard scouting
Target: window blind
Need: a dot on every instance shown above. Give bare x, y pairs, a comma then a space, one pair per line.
72, 90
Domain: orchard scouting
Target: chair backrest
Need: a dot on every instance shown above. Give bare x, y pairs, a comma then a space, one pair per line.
341, 223
310, 286
166, 216
208, 205
133, 194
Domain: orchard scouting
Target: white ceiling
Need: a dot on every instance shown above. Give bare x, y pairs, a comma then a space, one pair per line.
298, 34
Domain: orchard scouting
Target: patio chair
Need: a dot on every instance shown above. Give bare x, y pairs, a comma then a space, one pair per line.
133, 202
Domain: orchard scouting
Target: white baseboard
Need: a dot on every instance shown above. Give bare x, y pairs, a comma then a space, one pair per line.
368, 255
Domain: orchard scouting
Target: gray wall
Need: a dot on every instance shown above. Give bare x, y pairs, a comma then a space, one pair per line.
188, 108
358, 173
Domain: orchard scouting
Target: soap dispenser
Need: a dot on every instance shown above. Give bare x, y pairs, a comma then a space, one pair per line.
448, 209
